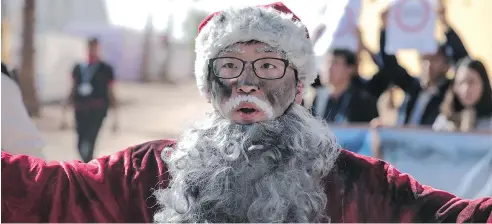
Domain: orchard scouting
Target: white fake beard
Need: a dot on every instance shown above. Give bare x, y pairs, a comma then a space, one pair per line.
270, 171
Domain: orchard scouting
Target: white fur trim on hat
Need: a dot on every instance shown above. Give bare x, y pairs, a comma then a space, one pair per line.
262, 24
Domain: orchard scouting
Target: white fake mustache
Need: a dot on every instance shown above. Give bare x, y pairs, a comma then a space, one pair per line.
262, 105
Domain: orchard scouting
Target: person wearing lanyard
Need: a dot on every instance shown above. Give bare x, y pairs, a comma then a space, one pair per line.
338, 100
92, 95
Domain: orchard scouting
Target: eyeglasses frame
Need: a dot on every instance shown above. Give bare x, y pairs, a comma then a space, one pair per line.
286, 64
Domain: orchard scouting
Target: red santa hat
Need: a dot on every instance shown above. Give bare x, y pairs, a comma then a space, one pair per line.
273, 24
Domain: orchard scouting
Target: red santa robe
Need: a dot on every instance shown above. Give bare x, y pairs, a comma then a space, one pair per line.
119, 188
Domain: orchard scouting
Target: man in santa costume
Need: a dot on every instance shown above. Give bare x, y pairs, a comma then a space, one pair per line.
260, 157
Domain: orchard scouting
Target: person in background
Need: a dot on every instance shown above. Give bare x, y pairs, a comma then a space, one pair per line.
19, 133
337, 100
378, 83
468, 102
343, 65
92, 94
425, 95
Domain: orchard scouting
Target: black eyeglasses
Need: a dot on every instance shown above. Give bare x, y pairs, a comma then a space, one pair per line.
264, 68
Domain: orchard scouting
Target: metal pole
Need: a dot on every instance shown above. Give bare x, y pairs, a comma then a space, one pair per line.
146, 50
27, 69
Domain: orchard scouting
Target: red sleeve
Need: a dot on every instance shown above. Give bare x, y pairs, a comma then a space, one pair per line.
365, 189
432, 205
116, 188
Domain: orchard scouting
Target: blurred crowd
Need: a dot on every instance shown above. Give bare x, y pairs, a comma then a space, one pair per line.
461, 103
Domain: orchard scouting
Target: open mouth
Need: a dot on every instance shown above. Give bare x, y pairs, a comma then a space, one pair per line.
247, 110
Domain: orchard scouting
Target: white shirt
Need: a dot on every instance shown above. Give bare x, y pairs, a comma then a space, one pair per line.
420, 105
19, 133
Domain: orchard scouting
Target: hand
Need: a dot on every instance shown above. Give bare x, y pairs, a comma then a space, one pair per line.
376, 123
441, 13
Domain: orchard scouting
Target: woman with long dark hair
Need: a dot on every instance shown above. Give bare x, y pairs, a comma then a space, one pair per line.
468, 103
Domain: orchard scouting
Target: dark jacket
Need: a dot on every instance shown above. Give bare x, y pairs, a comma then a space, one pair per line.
412, 85
376, 85
101, 80
354, 106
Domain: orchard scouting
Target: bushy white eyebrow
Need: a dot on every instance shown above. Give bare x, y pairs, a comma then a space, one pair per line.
265, 49
231, 49
269, 49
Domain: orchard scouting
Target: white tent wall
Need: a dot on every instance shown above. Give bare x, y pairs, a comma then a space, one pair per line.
55, 56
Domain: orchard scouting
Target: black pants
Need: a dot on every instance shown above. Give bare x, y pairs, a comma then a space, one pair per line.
88, 124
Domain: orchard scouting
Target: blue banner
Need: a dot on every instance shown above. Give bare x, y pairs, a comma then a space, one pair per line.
355, 139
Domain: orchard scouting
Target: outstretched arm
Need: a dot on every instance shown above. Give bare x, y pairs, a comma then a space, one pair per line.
431, 205
453, 40
389, 69
393, 70
116, 188
375, 191
380, 81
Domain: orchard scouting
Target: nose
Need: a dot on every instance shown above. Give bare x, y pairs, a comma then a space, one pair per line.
466, 89
247, 88
247, 83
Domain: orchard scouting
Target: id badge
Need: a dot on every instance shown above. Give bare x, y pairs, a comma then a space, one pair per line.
85, 89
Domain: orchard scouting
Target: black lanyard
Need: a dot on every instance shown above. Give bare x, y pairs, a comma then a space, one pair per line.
341, 116
341, 112
87, 72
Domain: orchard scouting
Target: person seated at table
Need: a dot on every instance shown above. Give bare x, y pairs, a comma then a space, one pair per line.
468, 103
